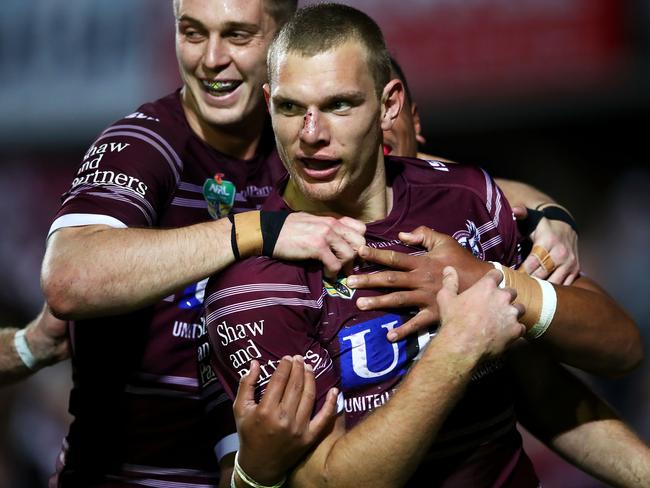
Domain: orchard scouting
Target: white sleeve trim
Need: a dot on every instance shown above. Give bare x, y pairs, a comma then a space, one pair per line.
79, 219
227, 445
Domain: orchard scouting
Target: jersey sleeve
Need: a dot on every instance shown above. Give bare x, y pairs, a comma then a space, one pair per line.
502, 220
126, 175
264, 309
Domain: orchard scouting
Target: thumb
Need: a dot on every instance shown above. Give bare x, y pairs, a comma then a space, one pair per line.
246, 390
450, 281
423, 236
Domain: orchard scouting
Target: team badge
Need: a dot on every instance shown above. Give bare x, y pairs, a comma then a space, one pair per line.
470, 239
339, 289
220, 195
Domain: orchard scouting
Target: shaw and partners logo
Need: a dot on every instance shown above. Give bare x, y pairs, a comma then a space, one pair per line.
368, 357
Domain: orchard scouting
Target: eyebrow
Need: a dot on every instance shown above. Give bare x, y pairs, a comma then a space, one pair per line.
228, 26
353, 96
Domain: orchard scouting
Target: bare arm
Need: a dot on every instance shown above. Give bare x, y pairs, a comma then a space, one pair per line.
387, 446
589, 330
573, 421
98, 270
46, 338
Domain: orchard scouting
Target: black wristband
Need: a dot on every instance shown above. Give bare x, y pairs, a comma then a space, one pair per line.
555, 212
528, 225
271, 224
551, 212
233, 238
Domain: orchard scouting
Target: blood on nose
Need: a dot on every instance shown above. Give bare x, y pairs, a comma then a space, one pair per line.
309, 124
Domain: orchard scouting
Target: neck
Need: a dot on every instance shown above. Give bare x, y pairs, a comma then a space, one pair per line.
238, 140
371, 204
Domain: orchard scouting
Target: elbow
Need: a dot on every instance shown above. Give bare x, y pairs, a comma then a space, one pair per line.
630, 354
62, 291
635, 353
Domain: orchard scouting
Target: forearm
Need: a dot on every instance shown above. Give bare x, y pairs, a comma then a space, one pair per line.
12, 367
522, 194
387, 446
576, 423
592, 332
44, 342
98, 270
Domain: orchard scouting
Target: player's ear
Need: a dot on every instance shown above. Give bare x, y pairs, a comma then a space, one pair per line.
267, 95
417, 126
392, 101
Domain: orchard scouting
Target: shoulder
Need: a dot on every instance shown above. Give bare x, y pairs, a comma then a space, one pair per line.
160, 123
442, 173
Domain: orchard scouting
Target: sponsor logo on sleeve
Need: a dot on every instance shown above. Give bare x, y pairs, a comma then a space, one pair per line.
97, 177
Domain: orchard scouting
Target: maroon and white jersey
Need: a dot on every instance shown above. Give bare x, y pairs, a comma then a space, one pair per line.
265, 309
137, 406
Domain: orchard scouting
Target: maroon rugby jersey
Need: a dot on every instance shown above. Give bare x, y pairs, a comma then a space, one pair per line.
265, 309
136, 402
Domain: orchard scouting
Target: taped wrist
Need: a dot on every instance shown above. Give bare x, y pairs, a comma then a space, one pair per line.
537, 296
255, 233
23, 351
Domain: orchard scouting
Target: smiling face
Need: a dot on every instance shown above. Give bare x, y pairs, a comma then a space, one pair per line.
328, 123
221, 49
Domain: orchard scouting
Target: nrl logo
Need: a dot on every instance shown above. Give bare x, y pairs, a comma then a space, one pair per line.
470, 239
339, 289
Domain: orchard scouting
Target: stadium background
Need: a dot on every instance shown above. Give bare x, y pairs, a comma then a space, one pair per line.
552, 92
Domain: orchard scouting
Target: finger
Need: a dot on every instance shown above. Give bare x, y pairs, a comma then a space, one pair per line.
520, 212
398, 299
392, 259
559, 275
294, 388
331, 264
494, 275
277, 384
308, 397
343, 252
356, 226
421, 321
521, 310
450, 281
531, 264
512, 293
540, 273
246, 390
383, 279
324, 417
571, 278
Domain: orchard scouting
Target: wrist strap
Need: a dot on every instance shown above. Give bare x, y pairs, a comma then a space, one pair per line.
553, 211
255, 233
22, 348
248, 480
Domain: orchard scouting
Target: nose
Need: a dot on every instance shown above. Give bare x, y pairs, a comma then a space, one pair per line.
217, 53
314, 129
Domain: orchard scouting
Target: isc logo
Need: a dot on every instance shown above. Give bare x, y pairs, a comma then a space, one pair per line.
367, 357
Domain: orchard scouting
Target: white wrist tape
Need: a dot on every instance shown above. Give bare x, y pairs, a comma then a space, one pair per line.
537, 296
549, 305
499, 266
22, 348
248, 480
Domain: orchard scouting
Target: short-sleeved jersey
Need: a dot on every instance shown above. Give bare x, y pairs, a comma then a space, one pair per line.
265, 309
137, 406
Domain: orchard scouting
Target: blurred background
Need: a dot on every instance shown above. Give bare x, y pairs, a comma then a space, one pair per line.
552, 92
